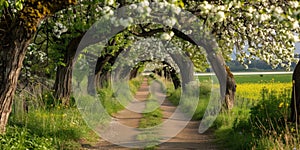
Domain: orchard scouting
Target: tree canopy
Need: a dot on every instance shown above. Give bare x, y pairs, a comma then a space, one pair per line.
255, 29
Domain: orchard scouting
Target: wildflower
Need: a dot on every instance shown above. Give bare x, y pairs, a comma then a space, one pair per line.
293, 129
281, 104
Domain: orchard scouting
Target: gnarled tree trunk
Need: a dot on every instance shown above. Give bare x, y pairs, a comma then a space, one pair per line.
16, 33
230, 89
12, 53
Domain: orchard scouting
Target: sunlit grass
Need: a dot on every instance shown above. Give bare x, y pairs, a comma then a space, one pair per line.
49, 125
259, 119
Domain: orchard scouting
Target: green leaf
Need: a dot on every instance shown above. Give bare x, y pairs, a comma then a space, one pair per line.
19, 5
6, 4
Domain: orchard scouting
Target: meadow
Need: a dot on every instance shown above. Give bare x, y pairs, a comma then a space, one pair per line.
259, 119
282, 78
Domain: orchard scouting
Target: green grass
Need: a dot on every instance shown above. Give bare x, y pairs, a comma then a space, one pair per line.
59, 128
49, 125
259, 125
175, 95
284, 78
152, 118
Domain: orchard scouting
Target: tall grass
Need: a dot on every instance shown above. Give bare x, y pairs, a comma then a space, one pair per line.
174, 95
49, 125
260, 123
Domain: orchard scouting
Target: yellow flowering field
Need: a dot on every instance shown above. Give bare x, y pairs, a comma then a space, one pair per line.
253, 90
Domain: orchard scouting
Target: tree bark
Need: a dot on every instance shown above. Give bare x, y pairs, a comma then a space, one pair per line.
175, 79
94, 76
186, 69
295, 100
230, 89
63, 81
134, 72
11, 58
17, 30
171, 72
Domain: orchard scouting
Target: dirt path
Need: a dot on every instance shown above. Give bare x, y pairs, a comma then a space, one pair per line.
188, 138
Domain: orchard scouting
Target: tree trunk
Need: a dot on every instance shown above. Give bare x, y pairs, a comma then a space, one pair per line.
133, 72
11, 59
94, 77
171, 72
230, 89
102, 79
100, 70
186, 69
63, 81
175, 79
17, 30
295, 101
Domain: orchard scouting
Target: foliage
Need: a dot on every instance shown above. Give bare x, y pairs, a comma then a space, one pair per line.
250, 25
109, 101
271, 112
58, 128
19, 138
259, 123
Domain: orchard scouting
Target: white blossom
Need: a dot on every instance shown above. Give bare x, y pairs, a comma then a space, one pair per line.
170, 22
140, 9
295, 24
294, 4
175, 9
165, 36
296, 38
144, 3
220, 16
278, 10
110, 2
148, 10
251, 10
221, 7
207, 6
133, 6
171, 33
264, 17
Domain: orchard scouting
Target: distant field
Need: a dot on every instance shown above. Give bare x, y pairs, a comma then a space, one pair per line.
283, 78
